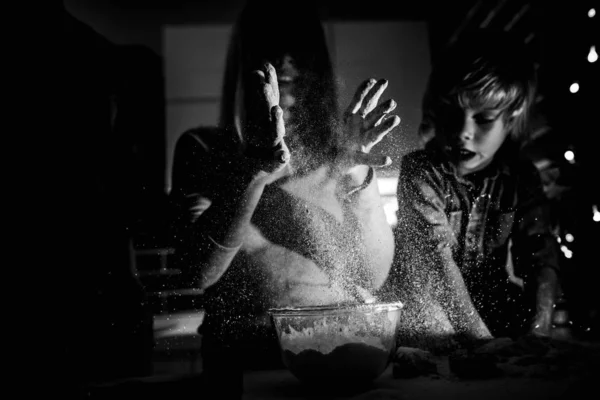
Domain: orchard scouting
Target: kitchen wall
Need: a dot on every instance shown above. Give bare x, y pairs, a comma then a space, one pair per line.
191, 39
194, 58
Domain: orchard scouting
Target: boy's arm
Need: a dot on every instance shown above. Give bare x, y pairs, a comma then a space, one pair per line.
536, 251
427, 239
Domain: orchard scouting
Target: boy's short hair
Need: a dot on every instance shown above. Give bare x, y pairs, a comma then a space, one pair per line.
487, 69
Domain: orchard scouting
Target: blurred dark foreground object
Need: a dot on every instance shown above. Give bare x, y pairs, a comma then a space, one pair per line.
411, 362
528, 356
149, 388
106, 331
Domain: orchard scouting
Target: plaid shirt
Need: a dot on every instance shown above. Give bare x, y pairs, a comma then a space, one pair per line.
473, 224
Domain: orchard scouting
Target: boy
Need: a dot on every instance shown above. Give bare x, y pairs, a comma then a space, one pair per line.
475, 254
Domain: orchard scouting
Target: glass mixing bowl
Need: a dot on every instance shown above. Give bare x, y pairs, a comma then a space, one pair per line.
350, 343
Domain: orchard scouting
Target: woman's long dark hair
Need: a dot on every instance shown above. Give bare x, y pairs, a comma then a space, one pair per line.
266, 30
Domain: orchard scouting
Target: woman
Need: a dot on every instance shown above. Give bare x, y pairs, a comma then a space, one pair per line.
278, 206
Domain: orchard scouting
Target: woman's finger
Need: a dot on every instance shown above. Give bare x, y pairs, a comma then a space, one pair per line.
359, 95
364, 295
372, 98
277, 124
271, 88
257, 77
256, 96
375, 117
372, 160
377, 133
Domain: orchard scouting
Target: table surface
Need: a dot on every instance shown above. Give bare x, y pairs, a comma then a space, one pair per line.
281, 384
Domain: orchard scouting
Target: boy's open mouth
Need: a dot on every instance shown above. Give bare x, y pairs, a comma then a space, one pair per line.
465, 154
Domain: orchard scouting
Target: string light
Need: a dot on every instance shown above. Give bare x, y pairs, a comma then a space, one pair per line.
574, 88
569, 237
568, 253
592, 13
569, 156
592, 55
596, 216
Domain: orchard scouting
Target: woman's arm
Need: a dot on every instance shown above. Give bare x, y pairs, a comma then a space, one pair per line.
365, 202
216, 188
213, 199
365, 124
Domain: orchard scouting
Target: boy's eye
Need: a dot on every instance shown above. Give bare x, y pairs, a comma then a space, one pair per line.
485, 119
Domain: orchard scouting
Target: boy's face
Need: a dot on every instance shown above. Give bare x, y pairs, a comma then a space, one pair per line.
476, 135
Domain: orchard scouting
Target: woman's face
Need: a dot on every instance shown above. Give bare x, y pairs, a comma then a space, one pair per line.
475, 136
287, 78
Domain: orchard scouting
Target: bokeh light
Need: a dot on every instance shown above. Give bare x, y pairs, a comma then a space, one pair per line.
569, 155
566, 251
574, 88
592, 55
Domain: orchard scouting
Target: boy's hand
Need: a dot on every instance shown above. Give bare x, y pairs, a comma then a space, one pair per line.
542, 325
542, 322
545, 298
